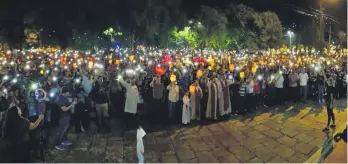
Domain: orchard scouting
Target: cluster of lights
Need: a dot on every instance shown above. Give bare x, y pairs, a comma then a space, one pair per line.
151, 56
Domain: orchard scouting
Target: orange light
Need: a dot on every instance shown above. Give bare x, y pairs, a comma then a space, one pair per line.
199, 73
192, 88
117, 62
231, 67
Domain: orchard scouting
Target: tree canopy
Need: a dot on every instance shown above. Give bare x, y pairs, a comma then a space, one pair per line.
160, 23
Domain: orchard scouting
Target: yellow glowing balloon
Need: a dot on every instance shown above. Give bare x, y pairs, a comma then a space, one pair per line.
131, 57
41, 72
172, 78
199, 73
74, 65
90, 64
192, 88
229, 59
231, 67
299, 60
110, 61
241, 75
253, 69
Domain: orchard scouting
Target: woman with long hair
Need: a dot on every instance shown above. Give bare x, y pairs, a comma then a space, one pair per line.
16, 133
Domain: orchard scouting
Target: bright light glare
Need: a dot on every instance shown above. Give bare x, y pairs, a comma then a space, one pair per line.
34, 86
259, 77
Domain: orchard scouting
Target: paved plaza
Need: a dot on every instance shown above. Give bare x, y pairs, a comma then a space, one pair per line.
291, 133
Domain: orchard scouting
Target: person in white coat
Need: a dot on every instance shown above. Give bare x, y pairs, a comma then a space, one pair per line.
132, 97
186, 114
140, 145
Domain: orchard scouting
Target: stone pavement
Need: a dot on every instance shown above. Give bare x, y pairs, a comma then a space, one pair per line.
272, 135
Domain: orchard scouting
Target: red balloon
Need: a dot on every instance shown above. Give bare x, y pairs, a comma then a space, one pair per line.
166, 59
160, 70
198, 59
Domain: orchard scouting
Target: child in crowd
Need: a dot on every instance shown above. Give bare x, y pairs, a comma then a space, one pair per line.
186, 114
140, 145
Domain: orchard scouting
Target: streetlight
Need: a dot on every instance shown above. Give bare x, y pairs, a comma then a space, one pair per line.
290, 33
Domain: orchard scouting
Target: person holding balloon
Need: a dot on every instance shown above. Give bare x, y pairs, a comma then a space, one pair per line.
173, 97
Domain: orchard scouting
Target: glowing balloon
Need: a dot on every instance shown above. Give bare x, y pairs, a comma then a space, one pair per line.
192, 88
117, 62
159, 70
253, 69
131, 57
241, 75
172, 77
142, 59
199, 73
231, 67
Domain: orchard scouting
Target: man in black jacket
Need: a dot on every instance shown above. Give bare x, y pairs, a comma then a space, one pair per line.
101, 99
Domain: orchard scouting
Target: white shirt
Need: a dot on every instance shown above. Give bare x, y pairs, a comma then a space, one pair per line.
303, 79
140, 145
279, 80
173, 95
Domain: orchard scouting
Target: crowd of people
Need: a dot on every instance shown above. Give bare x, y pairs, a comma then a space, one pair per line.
31, 100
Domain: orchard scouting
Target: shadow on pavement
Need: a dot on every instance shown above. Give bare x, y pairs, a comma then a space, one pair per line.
313, 110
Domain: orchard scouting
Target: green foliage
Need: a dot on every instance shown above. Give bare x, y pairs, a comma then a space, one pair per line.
269, 29
185, 37
111, 33
212, 29
252, 30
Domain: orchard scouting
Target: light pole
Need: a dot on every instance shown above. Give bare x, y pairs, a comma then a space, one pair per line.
290, 33
322, 23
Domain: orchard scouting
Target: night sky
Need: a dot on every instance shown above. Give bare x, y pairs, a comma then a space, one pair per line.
55, 12
284, 8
